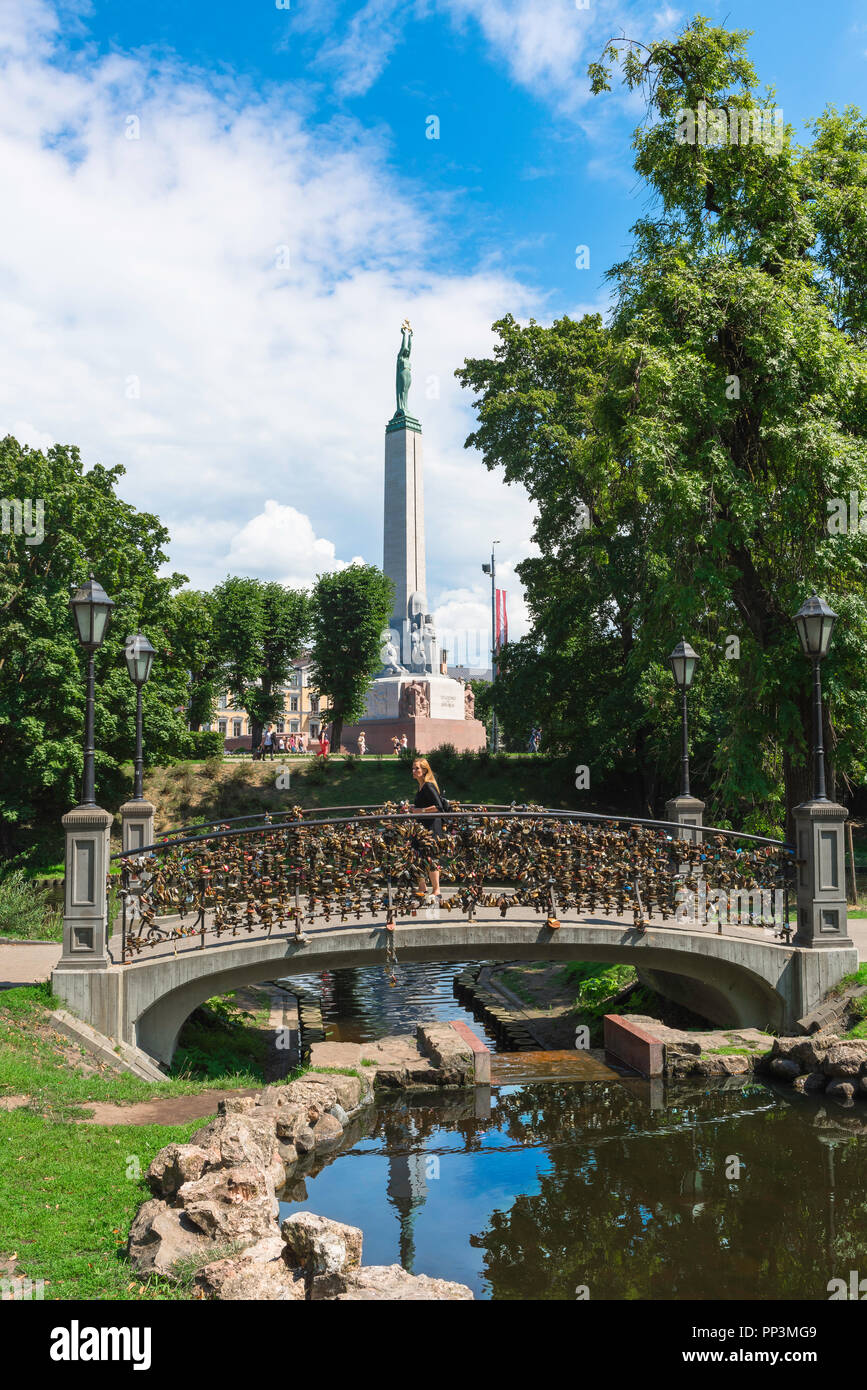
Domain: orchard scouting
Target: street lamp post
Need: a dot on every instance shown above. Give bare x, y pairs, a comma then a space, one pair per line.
683, 661
815, 621
820, 823
491, 569
91, 609
86, 830
684, 809
139, 656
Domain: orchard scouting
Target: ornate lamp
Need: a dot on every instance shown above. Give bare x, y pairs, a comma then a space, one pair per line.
683, 661
139, 657
91, 608
814, 622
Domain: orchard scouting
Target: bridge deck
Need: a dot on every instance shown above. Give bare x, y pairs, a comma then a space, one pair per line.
320, 929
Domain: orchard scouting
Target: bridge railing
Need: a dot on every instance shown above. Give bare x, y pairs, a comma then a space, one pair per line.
279, 876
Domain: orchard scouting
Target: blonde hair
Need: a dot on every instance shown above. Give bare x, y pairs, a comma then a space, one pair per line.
427, 770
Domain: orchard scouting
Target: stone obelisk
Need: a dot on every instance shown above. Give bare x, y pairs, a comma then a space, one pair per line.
411, 696
403, 517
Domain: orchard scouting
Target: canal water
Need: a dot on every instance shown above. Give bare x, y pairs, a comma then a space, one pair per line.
609, 1189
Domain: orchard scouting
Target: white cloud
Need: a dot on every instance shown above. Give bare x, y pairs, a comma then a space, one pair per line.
150, 315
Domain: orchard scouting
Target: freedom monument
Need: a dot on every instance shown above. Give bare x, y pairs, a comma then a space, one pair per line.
412, 694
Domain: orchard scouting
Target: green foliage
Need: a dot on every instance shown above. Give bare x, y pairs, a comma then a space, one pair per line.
350, 611
261, 629
206, 743
27, 911
682, 457
87, 528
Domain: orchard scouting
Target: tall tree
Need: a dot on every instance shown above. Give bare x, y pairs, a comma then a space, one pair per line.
191, 631
708, 429
85, 528
351, 608
259, 629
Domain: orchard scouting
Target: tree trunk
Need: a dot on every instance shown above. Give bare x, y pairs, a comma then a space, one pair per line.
336, 732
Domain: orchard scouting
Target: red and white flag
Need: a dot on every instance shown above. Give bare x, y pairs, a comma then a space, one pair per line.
502, 620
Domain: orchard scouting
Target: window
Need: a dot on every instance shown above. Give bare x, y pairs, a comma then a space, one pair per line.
293, 704
281, 726
314, 704
207, 726
236, 728
314, 729
224, 701
223, 727
293, 726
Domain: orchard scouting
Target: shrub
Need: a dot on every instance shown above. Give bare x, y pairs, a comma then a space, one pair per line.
212, 767
204, 743
26, 909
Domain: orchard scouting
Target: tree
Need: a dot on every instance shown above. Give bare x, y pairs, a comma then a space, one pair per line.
86, 528
191, 630
684, 459
259, 629
351, 608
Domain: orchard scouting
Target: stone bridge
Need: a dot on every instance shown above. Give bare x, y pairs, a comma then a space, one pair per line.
741, 978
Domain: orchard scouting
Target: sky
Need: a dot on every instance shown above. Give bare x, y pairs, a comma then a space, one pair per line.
216, 216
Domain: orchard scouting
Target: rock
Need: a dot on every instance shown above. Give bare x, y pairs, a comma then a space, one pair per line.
424, 1074
446, 1048
811, 1052
815, 1081
391, 1078
845, 1059
253, 1277
862, 1084
231, 1204
176, 1164
799, 1084
350, 1091
243, 1140
161, 1235
784, 1068
320, 1246
304, 1139
841, 1091
374, 1283
327, 1130
339, 1114
287, 1152
320, 1093
289, 1120
237, 1105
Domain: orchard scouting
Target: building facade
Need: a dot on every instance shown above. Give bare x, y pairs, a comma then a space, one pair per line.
299, 713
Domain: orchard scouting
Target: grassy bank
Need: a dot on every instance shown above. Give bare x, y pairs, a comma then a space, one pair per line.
230, 787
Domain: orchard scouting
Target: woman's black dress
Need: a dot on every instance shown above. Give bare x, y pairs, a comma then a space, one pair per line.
427, 795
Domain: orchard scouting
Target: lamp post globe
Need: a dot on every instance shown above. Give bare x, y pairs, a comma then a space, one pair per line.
139, 657
814, 623
91, 609
683, 661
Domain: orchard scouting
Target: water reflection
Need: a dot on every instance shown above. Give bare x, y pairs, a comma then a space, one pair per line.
562, 1185
359, 1005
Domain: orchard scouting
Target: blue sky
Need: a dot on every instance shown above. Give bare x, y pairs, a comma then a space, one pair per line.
215, 303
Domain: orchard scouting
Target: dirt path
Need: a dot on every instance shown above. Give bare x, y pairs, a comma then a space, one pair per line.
173, 1110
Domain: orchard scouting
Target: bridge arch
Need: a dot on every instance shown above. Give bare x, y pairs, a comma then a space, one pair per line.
733, 981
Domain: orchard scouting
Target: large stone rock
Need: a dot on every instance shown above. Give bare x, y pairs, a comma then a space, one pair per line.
232, 1205
319, 1246
351, 1091
814, 1082
845, 1059
244, 1140
260, 1274
446, 1049
327, 1131
386, 1283
161, 1235
841, 1091
784, 1068
176, 1164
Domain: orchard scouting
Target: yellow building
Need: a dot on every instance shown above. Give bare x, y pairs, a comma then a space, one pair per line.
299, 715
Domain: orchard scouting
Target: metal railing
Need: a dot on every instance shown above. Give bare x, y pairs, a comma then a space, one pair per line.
279, 876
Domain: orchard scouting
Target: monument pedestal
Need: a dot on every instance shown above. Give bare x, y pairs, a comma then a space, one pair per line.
423, 734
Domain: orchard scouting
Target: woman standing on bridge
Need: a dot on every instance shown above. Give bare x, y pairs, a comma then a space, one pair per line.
428, 794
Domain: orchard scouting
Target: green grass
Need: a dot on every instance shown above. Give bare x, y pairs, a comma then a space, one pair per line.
730, 1051
68, 1195
186, 792
36, 1064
